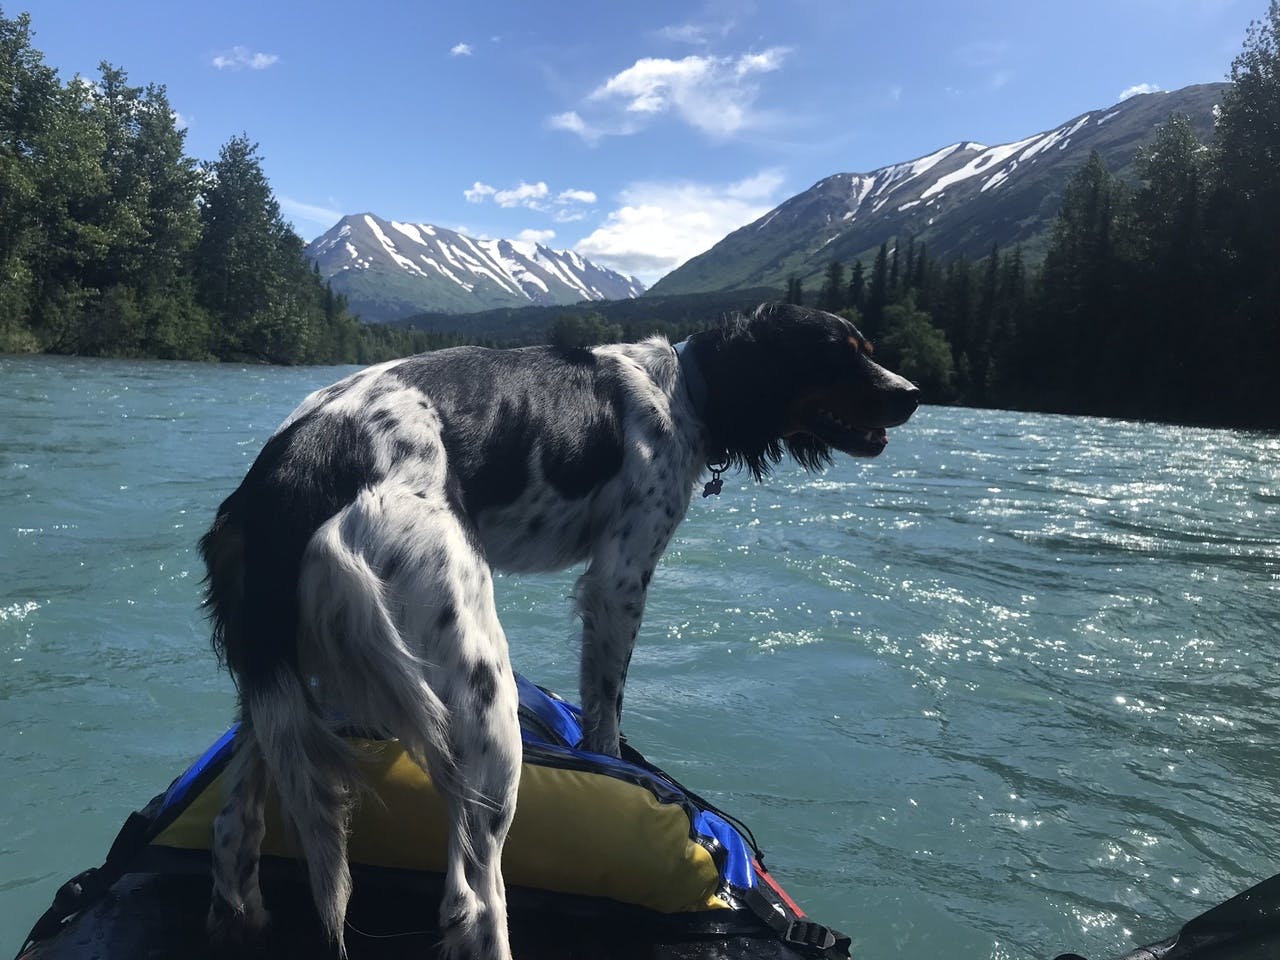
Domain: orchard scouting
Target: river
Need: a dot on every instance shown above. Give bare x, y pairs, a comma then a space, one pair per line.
1008, 690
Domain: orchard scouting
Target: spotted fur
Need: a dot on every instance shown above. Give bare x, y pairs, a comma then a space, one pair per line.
350, 572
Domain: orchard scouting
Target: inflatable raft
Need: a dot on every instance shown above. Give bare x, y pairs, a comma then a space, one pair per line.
1245, 927
607, 858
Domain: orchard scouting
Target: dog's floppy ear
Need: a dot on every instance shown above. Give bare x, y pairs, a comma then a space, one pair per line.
752, 366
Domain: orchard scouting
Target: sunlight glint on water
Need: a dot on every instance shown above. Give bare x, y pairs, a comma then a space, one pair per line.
1008, 690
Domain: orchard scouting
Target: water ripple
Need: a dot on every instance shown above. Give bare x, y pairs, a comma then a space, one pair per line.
1006, 691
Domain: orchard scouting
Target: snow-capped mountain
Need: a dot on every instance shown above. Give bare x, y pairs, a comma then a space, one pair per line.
388, 270
959, 200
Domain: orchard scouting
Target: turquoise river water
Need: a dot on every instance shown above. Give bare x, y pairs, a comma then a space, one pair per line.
1010, 689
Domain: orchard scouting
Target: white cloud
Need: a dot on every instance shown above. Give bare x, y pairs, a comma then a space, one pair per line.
296, 211
528, 195
565, 206
661, 225
698, 34
572, 122
713, 94
460, 50
242, 58
536, 236
182, 121
1136, 89
715, 21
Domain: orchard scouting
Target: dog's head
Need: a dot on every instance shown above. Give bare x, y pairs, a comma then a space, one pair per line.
789, 380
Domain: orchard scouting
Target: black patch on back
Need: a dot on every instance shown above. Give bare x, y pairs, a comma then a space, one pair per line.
304, 475
495, 404
483, 684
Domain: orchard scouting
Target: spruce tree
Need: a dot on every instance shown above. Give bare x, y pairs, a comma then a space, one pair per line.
878, 292
857, 294
831, 297
1247, 205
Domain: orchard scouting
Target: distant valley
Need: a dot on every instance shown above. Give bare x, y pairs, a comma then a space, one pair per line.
960, 200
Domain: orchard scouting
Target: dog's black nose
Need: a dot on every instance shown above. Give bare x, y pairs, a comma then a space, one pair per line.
911, 399
901, 398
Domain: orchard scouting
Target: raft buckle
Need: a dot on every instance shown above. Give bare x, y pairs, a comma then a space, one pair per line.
815, 936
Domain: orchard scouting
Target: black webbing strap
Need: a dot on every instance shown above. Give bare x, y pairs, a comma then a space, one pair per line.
805, 935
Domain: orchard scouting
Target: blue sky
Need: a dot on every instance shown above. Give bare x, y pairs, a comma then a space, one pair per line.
636, 133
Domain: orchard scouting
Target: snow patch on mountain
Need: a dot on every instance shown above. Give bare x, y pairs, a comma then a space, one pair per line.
432, 267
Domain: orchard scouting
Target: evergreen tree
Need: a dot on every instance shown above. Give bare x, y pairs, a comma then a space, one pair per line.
1079, 298
857, 294
878, 293
984, 324
1005, 369
831, 297
246, 260
1247, 206
29, 96
795, 290
576, 330
1175, 263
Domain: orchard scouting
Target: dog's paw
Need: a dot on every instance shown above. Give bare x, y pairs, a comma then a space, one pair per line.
236, 931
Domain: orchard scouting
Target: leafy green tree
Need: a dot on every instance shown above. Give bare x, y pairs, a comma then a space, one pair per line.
918, 350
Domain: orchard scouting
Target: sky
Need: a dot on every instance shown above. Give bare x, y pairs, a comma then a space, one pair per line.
638, 134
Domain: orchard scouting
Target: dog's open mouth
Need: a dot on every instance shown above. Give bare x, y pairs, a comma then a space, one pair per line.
857, 441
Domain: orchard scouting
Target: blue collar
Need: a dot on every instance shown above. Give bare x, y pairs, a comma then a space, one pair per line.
694, 384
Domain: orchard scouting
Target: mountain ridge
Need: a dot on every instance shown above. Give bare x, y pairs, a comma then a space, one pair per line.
391, 269
960, 199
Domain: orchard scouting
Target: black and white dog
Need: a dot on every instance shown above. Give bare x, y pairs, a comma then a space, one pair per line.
350, 571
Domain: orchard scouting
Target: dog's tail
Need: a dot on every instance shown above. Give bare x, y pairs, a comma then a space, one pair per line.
358, 652
318, 630
313, 769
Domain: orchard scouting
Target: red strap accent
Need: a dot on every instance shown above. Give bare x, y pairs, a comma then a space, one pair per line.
773, 885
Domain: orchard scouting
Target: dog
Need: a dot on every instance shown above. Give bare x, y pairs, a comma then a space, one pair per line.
351, 569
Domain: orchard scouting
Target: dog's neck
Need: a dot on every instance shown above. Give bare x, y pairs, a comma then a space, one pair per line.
694, 383
695, 386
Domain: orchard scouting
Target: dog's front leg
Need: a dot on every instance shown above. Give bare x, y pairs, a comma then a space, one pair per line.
610, 598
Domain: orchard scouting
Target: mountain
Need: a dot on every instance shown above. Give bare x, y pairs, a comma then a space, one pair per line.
958, 200
389, 270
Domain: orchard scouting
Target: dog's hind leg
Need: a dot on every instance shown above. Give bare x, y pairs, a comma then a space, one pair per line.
480, 789
236, 913
404, 637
